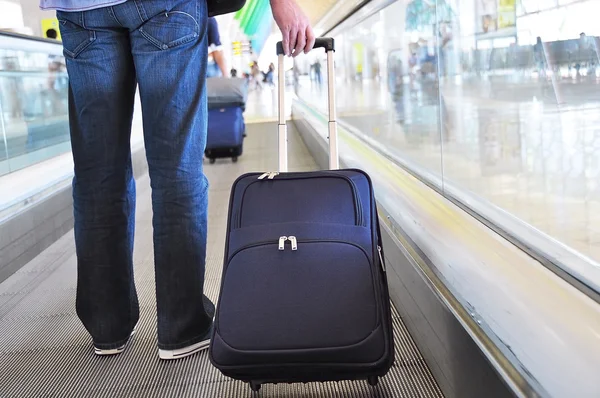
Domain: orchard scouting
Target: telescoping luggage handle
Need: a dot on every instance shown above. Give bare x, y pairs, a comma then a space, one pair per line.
329, 45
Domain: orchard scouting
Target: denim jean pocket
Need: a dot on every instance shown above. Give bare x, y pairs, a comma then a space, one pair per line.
75, 38
170, 29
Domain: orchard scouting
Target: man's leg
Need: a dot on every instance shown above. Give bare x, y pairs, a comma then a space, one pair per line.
170, 54
101, 98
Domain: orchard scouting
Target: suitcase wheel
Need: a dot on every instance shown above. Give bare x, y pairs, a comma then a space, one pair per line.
254, 386
373, 380
212, 160
234, 159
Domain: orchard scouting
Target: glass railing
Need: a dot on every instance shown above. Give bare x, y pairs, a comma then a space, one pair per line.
471, 101
33, 102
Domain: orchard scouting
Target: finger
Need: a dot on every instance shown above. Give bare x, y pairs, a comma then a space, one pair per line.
310, 40
300, 42
285, 39
293, 36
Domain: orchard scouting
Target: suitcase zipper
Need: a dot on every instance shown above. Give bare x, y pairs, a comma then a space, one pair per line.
294, 242
257, 244
282, 242
270, 175
358, 211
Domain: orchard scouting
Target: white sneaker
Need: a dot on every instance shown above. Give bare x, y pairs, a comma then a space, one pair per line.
196, 347
113, 351
185, 351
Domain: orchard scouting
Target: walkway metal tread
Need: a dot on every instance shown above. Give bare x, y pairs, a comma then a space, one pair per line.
45, 351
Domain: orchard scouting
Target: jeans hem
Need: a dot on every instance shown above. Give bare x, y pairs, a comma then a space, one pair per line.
189, 342
111, 346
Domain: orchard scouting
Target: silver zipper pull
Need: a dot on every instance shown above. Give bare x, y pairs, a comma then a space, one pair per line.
282, 240
269, 174
381, 258
294, 242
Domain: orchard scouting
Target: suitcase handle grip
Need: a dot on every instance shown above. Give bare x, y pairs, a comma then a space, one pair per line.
322, 42
334, 163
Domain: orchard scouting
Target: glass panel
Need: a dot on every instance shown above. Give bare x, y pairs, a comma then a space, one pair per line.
33, 100
3, 146
387, 86
498, 99
522, 121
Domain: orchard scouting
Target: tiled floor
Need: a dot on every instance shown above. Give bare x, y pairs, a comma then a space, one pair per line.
262, 104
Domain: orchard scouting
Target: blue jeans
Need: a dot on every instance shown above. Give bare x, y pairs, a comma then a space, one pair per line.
162, 46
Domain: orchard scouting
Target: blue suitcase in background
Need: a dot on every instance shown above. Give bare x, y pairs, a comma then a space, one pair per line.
304, 294
225, 136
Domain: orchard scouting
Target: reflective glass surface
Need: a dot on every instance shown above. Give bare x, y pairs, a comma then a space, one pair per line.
33, 105
496, 100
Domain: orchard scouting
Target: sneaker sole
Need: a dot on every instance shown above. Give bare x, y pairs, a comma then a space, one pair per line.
183, 352
114, 351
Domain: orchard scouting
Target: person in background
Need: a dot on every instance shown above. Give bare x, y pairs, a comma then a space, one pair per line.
585, 53
256, 73
15, 88
269, 75
296, 73
317, 68
55, 67
216, 58
111, 46
539, 57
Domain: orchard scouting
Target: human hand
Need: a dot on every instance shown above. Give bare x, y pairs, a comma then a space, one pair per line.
297, 34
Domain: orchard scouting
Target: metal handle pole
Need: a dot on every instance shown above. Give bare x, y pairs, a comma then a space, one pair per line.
282, 127
334, 163
334, 159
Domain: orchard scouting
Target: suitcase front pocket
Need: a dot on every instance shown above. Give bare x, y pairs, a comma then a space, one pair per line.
311, 294
291, 197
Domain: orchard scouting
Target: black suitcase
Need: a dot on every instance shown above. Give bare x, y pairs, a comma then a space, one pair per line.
304, 294
226, 92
